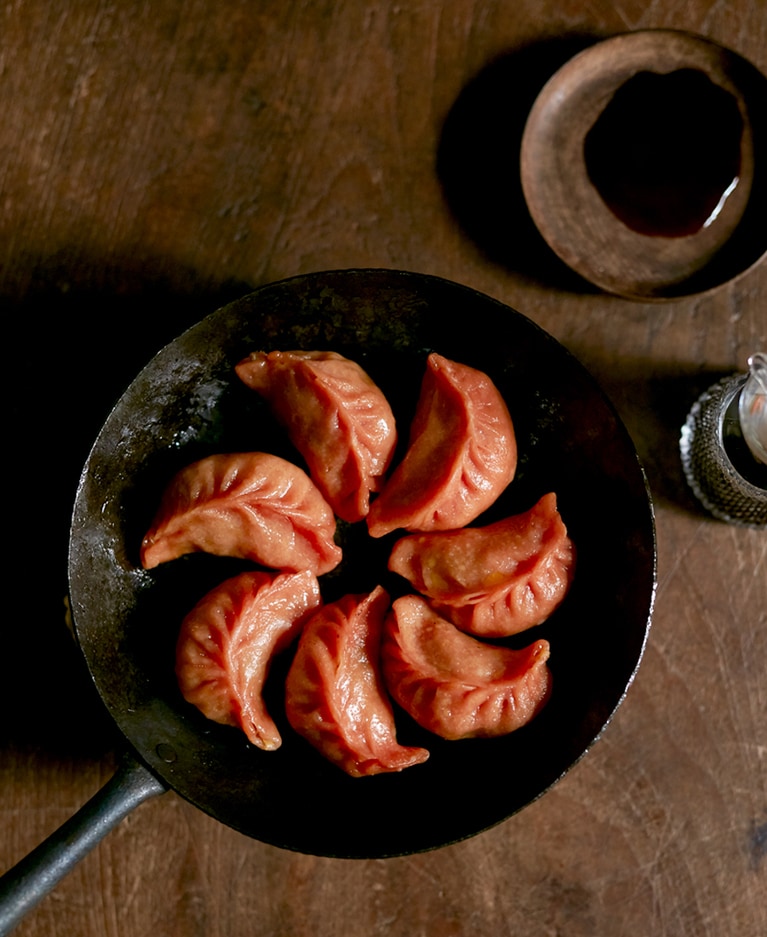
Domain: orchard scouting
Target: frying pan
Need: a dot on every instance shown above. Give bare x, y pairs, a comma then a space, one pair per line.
185, 404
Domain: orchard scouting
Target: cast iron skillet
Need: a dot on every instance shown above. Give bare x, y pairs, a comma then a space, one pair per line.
187, 403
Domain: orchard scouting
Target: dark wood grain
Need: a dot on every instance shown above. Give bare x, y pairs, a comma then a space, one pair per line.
159, 159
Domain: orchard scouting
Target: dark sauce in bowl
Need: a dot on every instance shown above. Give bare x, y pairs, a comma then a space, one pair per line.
665, 154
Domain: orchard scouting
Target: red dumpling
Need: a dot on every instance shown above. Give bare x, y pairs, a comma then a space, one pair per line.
497, 580
250, 505
228, 641
462, 454
335, 697
335, 415
455, 685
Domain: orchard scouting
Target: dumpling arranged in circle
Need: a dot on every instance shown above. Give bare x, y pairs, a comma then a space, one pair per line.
457, 686
227, 642
250, 505
335, 696
462, 454
335, 416
497, 580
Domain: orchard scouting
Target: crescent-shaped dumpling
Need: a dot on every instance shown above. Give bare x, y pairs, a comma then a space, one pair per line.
455, 685
227, 643
335, 416
462, 454
334, 694
497, 580
250, 505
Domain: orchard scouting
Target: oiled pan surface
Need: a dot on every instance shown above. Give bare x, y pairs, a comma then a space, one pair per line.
187, 403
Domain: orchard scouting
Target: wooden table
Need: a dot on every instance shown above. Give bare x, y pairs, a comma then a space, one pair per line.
159, 159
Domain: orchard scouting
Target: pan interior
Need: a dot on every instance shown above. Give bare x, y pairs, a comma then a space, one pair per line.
187, 403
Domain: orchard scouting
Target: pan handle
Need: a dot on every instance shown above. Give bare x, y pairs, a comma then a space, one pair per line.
28, 882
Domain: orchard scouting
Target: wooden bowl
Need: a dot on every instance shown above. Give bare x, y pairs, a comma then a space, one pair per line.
643, 164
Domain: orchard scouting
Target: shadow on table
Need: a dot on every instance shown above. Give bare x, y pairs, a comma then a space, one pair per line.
478, 160
73, 348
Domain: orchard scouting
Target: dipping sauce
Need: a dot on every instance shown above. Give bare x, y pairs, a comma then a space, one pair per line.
665, 153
